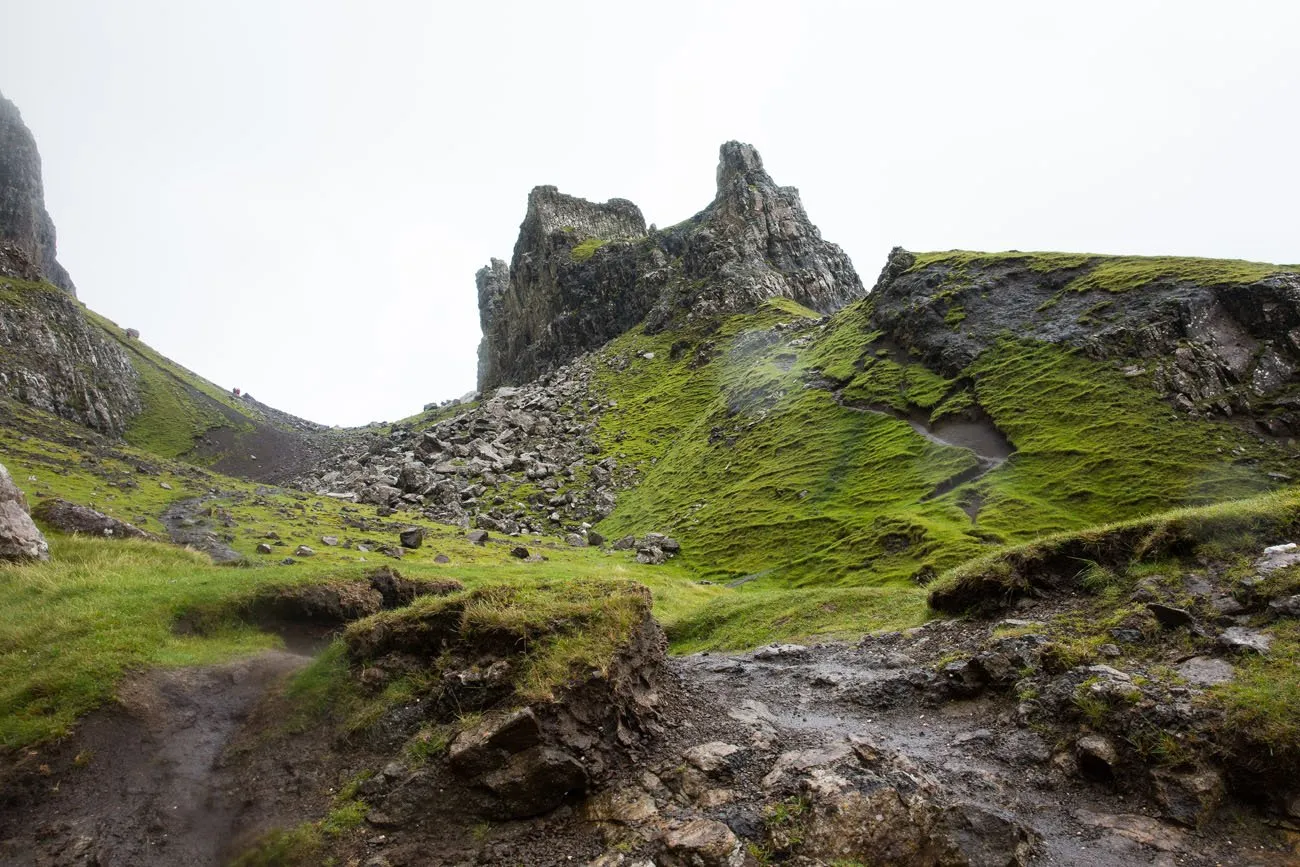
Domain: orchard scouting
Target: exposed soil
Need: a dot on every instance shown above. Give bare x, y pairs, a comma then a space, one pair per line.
181, 772
141, 783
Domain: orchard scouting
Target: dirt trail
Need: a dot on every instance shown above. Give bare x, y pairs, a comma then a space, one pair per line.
151, 790
162, 788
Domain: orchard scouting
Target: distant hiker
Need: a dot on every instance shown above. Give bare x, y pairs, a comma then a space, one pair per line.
235, 392
132, 334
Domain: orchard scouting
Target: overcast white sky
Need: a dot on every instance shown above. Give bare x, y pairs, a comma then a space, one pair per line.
293, 197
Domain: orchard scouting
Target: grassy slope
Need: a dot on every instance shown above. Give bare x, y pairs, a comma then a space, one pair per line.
794, 491
74, 626
821, 507
179, 405
1107, 561
1116, 273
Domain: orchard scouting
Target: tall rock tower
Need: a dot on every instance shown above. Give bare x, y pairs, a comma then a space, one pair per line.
26, 230
583, 273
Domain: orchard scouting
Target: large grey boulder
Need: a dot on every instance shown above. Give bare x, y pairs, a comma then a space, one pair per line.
20, 539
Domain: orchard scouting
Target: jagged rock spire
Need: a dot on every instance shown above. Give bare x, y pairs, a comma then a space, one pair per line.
583, 272
26, 230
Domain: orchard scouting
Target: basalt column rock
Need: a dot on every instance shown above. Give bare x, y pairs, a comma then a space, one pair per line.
584, 273
24, 222
557, 299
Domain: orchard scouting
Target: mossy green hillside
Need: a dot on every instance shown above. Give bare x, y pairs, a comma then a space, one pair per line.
746, 456
1111, 273
179, 406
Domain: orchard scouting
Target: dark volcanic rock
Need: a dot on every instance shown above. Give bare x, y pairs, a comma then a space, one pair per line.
583, 273
24, 222
1210, 345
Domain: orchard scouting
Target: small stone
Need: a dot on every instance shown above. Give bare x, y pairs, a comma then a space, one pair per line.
711, 758
329, 541
478, 537
263, 548
1097, 756
411, 537
1169, 616
288, 561
700, 843
303, 551
442, 558
1288, 607
519, 551
164, 486
1206, 671
1243, 640
1189, 797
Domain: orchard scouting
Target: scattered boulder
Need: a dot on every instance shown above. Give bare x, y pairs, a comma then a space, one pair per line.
329, 541
1241, 639
303, 551
1188, 797
478, 537
69, 517
520, 552
20, 539
412, 537
263, 548
702, 842
1170, 617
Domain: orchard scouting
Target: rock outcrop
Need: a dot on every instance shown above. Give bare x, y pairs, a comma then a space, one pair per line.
24, 222
583, 273
53, 358
20, 539
1218, 338
67, 517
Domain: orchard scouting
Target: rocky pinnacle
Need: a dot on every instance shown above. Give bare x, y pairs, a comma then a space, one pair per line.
26, 230
583, 272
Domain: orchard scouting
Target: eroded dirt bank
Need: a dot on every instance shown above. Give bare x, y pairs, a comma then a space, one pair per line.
786, 726
143, 782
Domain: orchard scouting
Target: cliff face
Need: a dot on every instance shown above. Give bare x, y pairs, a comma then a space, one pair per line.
24, 222
583, 273
53, 358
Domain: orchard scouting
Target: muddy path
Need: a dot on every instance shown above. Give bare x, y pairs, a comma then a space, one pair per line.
145, 787
809, 705
170, 779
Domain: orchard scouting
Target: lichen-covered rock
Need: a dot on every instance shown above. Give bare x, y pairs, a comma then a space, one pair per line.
583, 273
24, 222
20, 539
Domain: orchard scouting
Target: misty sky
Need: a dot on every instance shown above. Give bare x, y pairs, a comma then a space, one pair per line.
293, 197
